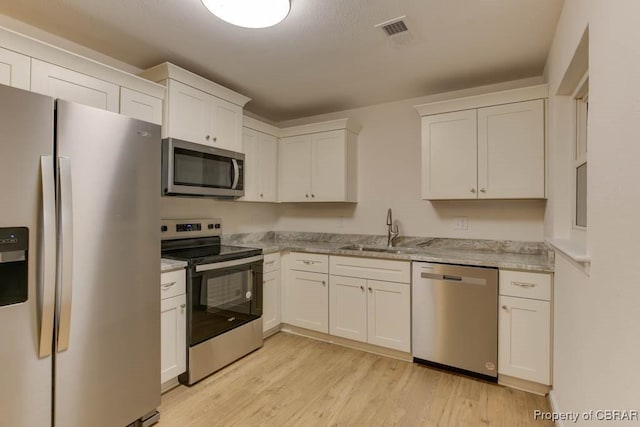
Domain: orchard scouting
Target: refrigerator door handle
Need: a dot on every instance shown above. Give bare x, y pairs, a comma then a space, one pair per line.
66, 253
48, 290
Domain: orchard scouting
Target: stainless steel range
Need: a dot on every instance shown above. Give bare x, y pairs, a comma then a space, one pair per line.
224, 295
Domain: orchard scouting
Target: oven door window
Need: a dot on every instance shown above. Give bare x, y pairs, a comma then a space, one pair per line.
197, 169
222, 300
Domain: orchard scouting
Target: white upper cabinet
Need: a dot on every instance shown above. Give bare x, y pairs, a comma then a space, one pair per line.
511, 151
261, 163
58, 82
29, 64
199, 110
140, 106
318, 162
485, 147
294, 180
449, 155
15, 69
188, 113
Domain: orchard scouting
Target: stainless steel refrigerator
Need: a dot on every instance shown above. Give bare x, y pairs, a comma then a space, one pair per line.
79, 264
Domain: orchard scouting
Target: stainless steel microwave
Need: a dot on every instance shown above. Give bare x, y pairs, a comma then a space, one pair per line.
198, 170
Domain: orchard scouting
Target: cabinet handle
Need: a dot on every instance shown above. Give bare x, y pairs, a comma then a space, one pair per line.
473, 190
362, 288
308, 262
215, 138
270, 262
183, 305
167, 286
370, 290
324, 283
482, 190
505, 308
313, 195
524, 284
261, 195
207, 137
306, 195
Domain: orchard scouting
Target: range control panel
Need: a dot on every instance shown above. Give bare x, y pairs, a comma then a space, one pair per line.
189, 228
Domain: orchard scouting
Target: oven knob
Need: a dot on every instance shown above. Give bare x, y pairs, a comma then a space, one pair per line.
248, 295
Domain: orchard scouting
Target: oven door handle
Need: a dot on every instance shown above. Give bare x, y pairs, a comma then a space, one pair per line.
227, 264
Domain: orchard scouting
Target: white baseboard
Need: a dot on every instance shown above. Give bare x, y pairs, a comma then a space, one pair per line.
554, 407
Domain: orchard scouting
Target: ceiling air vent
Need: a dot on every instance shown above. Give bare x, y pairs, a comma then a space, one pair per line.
394, 27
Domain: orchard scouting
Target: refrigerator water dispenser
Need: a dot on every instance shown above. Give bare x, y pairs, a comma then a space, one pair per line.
14, 249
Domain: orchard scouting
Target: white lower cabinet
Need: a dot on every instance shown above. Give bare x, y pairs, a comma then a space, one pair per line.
370, 311
173, 326
271, 292
348, 307
364, 309
307, 300
389, 314
173, 338
524, 329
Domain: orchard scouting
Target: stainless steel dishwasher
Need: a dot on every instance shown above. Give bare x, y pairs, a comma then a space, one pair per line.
455, 318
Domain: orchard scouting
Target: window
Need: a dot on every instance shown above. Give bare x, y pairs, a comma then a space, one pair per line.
580, 158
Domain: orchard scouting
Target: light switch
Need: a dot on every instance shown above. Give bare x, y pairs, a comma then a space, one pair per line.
460, 223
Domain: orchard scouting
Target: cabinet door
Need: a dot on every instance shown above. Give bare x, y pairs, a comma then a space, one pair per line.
449, 156
328, 166
294, 159
524, 339
173, 344
58, 82
389, 315
189, 112
307, 300
267, 167
271, 300
140, 106
251, 167
348, 308
511, 151
15, 69
225, 125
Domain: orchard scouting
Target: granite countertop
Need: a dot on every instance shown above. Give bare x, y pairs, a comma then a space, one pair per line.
532, 256
171, 265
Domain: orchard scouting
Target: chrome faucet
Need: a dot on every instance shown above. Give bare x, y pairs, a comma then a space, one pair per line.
392, 233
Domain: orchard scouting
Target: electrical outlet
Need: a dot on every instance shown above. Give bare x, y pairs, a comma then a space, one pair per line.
460, 223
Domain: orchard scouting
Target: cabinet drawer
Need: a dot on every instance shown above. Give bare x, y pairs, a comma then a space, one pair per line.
271, 262
172, 283
525, 284
314, 263
371, 268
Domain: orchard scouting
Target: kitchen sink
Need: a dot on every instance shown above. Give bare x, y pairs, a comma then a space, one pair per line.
364, 248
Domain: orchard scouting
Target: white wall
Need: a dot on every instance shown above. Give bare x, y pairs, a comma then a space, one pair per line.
237, 217
389, 177
597, 317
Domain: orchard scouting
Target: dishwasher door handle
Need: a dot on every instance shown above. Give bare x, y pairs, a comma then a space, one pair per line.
455, 279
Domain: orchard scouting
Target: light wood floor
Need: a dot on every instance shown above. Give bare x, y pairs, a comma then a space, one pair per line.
297, 381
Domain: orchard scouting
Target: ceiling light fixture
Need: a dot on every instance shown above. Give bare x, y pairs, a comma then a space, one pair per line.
249, 13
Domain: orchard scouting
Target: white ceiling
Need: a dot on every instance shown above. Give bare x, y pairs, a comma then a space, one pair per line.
326, 56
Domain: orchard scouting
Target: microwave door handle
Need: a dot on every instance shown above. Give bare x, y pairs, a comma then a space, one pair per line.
236, 174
